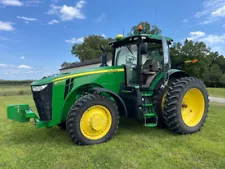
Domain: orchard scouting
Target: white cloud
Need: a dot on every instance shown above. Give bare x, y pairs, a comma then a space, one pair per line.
211, 12
103, 35
52, 22
24, 67
101, 17
13, 72
197, 34
208, 7
11, 2
5, 65
219, 12
224, 25
15, 67
216, 42
185, 20
67, 13
75, 40
26, 18
22, 57
6, 26
32, 3
213, 39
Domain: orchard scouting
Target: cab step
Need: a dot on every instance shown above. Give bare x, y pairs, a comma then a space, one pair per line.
147, 105
150, 120
150, 125
146, 94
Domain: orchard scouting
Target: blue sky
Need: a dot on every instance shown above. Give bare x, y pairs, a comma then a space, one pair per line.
36, 35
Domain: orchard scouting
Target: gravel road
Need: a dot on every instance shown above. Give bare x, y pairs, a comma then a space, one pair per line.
217, 100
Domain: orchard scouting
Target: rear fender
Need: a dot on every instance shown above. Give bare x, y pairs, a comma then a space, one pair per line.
158, 80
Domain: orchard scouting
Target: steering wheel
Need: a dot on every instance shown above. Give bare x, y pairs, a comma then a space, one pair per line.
130, 57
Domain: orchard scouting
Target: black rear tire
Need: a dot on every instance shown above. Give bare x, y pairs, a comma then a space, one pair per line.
157, 102
76, 113
173, 104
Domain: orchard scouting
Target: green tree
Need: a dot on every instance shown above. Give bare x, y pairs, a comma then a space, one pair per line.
65, 64
222, 80
213, 75
188, 51
147, 29
220, 60
210, 67
90, 48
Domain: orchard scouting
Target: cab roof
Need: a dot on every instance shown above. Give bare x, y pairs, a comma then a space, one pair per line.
147, 37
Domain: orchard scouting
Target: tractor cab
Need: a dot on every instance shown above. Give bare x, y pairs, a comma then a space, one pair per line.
143, 57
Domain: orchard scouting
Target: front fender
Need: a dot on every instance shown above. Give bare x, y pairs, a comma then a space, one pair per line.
119, 101
74, 95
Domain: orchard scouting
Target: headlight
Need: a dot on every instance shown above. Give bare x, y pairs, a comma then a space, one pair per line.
38, 88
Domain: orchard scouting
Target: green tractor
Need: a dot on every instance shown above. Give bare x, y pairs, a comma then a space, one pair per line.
140, 84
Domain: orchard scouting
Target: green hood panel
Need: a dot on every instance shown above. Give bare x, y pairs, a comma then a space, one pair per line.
63, 76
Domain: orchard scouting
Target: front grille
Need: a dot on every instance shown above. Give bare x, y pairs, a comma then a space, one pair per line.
43, 102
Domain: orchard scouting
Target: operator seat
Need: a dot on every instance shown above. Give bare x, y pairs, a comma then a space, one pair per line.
149, 69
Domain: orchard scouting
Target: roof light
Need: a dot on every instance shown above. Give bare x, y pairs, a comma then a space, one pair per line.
140, 27
119, 36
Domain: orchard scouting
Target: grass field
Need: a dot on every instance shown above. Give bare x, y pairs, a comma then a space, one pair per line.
134, 146
14, 90
217, 92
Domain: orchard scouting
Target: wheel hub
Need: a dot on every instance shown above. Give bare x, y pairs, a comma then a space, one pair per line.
192, 108
98, 122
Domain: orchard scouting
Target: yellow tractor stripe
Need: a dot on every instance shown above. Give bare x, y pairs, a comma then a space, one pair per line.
89, 73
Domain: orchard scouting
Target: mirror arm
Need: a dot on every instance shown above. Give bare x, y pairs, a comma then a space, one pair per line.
103, 57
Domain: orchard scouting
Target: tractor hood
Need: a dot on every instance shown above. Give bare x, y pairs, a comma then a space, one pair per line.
63, 76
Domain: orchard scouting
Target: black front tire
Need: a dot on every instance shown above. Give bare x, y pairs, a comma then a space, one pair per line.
79, 108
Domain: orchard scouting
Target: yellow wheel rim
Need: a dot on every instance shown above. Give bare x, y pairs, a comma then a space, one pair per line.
193, 106
95, 123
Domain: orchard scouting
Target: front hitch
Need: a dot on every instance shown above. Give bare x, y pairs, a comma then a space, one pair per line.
23, 113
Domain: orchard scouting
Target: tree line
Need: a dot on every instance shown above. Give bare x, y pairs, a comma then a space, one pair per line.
210, 66
15, 82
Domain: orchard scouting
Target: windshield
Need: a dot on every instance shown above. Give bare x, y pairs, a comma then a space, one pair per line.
126, 55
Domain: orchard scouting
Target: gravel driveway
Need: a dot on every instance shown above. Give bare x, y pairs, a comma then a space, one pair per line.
217, 100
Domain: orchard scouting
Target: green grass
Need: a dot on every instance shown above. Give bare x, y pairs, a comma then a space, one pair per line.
134, 146
14, 90
217, 92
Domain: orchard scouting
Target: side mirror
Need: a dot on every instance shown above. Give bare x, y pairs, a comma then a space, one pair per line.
144, 48
103, 57
102, 49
